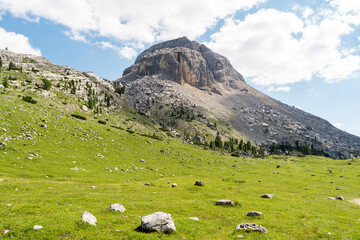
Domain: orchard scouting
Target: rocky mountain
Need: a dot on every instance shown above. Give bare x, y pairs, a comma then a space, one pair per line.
183, 76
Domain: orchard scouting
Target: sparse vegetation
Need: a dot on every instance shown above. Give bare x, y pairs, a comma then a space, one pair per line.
46, 84
29, 99
78, 116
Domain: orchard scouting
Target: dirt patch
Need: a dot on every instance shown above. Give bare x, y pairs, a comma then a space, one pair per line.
356, 201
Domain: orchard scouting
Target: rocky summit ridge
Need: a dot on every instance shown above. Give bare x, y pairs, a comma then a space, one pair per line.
185, 74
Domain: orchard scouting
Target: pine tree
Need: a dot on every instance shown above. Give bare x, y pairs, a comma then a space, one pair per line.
241, 145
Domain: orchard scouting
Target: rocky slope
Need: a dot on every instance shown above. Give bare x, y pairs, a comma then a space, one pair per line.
184, 74
30, 70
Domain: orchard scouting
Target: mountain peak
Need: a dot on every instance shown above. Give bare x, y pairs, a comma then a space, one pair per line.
184, 61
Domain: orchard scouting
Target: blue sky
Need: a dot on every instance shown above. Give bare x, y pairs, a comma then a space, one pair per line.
303, 53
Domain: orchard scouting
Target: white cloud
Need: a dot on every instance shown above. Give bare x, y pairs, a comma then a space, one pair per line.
263, 47
131, 22
17, 43
278, 89
125, 52
338, 124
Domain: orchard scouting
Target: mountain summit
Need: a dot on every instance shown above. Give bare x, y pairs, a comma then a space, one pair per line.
183, 76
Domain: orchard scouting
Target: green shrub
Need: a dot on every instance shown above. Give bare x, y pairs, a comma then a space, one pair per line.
78, 116
5, 83
102, 122
29, 99
46, 84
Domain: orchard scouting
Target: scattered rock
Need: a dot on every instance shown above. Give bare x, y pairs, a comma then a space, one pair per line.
5, 231
147, 184
338, 188
89, 218
117, 207
158, 221
37, 227
275, 173
267, 196
254, 214
277, 166
29, 158
43, 126
92, 187
199, 183
194, 218
142, 160
174, 185
331, 198
340, 198
225, 203
259, 180
252, 227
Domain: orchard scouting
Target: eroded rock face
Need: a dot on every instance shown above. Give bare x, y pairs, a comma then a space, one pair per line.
158, 221
184, 61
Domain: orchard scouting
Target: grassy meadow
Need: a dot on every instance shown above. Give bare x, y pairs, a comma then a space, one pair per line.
46, 174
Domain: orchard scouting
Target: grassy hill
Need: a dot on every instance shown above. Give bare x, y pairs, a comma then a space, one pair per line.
51, 159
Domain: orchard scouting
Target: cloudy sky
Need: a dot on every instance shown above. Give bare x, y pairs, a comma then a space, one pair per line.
304, 53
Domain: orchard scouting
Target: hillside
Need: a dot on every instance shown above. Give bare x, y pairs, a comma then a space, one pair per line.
181, 72
54, 166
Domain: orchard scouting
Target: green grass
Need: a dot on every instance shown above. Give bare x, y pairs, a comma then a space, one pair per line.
52, 195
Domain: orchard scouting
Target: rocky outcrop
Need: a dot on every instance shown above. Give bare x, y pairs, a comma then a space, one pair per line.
158, 221
184, 61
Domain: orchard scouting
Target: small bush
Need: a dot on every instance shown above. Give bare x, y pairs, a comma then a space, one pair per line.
29, 99
102, 122
78, 116
46, 84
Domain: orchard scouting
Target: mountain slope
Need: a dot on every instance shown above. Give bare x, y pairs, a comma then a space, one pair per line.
184, 73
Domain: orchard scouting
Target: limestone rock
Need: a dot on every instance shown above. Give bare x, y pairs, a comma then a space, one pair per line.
199, 183
89, 218
37, 227
340, 198
225, 203
158, 221
267, 196
254, 214
252, 227
117, 207
174, 185
194, 218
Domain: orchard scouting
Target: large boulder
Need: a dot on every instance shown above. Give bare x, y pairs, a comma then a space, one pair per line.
117, 207
89, 218
225, 203
251, 227
158, 221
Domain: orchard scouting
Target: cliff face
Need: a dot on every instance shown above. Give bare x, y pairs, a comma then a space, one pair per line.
184, 61
182, 73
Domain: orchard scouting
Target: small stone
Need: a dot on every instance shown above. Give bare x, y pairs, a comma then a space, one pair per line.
254, 214
199, 183
142, 160
117, 207
89, 218
278, 166
240, 236
340, 198
92, 186
331, 198
8, 205
158, 221
259, 180
267, 196
43, 126
194, 218
5, 231
251, 226
29, 158
349, 163
37, 227
275, 173
338, 188
174, 185
225, 203
147, 184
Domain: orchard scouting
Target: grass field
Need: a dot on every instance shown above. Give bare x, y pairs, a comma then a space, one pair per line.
47, 172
